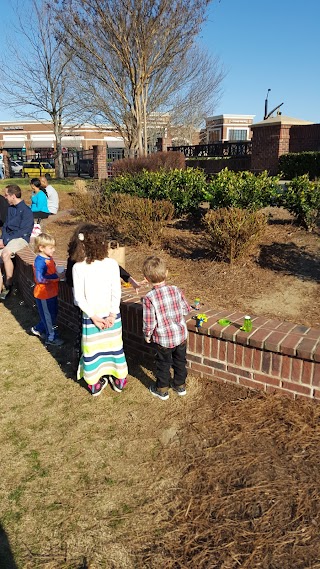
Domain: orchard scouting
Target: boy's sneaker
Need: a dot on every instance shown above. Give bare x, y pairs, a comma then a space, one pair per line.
36, 333
180, 390
55, 342
117, 384
5, 292
164, 395
98, 387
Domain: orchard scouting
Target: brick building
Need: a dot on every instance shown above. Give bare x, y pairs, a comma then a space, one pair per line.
223, 128
22, 139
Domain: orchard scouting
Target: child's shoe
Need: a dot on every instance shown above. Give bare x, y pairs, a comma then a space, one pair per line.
37, 333
180, 390
98, 387
117, 384
161, 392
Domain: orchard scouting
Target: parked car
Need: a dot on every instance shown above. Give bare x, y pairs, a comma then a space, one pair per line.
15, 168
35, 169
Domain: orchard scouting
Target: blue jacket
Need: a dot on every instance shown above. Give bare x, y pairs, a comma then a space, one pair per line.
19, 223
39, 202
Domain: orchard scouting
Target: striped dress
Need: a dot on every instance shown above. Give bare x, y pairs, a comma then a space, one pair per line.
97, 291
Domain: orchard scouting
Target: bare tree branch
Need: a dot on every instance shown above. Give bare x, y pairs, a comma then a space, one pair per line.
137, 57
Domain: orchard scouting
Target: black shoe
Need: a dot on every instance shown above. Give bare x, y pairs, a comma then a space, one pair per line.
163, 395
180, 390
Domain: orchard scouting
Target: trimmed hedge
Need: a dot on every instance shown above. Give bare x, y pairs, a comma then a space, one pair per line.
296, 164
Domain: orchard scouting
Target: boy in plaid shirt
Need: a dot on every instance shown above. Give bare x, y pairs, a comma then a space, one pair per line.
164, 308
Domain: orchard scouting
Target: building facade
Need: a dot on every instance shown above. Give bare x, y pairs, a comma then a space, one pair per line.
26, 139
227, 128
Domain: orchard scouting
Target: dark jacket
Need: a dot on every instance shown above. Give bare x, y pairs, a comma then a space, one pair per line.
19, 223
3, 210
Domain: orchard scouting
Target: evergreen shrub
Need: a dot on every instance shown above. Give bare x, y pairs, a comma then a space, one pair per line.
184, 188
302, 199
243, 190
296, 164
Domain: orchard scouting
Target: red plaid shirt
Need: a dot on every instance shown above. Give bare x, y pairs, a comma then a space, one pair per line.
164, 308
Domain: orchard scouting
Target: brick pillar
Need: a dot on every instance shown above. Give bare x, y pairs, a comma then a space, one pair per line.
269, 141
100, 162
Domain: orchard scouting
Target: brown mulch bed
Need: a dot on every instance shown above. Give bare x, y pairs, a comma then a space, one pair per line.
279, 279
248, 496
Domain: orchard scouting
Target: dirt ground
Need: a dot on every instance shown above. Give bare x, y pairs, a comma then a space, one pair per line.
280, 279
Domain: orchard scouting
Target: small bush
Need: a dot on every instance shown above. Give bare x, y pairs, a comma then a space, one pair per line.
89, 206
296, 164
233, 231
130, 219
302, 199
151, 163
244, 190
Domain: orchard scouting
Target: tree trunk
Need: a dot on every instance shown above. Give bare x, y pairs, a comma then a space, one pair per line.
58, 136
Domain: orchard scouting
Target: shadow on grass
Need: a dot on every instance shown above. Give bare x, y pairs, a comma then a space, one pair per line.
6, 556
291, 260
66, 355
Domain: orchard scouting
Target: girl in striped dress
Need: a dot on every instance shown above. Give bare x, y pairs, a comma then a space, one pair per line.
97, 292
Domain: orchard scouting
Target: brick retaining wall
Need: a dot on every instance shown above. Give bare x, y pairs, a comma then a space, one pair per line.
276, 356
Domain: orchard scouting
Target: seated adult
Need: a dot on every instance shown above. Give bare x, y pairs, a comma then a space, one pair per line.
16, 233
39, 200
53, 198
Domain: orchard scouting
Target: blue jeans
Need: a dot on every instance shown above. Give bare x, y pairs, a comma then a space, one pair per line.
48, 311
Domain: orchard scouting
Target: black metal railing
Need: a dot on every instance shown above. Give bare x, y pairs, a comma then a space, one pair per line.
217, 149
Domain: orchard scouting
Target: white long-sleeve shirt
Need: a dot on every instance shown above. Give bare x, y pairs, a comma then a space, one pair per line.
53, 199
97, 287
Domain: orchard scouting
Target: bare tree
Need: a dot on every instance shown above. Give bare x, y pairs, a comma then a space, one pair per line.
137, 57
36, 80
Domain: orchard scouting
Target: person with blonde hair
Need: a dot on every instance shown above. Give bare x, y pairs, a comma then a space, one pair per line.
164, 308
46, 289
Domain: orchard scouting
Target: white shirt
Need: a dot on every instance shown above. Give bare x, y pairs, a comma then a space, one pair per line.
97, 288
53, 199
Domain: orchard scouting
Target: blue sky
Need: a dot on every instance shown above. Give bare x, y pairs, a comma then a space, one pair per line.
267, 44
262, 44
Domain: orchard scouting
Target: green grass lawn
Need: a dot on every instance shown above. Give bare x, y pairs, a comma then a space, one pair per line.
24, 183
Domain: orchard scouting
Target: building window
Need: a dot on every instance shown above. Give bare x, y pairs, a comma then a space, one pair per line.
214, 135
237, 134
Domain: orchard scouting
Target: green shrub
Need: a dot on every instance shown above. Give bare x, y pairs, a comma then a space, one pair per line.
130, 219
244, 190
296, 164
233, 231
302, 199
184, 188
152, 163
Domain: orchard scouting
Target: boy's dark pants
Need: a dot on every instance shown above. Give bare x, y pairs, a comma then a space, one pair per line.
167, 357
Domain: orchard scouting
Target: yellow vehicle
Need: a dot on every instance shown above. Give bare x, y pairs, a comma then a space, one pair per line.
35, 169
